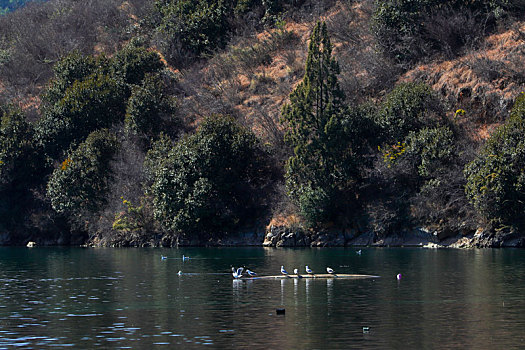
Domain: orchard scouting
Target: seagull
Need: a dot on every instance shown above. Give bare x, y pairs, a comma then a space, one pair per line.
251, 273
185, 258
237, 274
296, 272
330, 270
162, 257
179, 273
358, 252
309, 270
283, 271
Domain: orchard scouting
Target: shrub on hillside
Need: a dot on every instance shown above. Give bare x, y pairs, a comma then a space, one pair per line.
94, 103
496, 178
189, 29
409, 30
408, 107
418, 152
79, 184
210, 182
147, 106
21, 167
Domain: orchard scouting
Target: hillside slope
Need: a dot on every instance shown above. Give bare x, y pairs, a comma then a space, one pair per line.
176, 105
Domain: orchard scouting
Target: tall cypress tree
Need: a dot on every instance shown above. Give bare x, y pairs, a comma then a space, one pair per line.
314, 118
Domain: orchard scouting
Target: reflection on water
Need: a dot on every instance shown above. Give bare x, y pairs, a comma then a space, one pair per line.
118, 298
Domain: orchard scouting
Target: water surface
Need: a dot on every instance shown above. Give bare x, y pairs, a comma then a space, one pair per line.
131, 298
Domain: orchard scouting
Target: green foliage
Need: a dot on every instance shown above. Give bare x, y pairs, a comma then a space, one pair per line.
192, 27
401, 27
323, 136
133, 220
208, 183
132, 63
17, 152
71, 68
89, 93
496, 178
87, 105
406, 108
145, 105
432, 149
155, 157
80, 183
11, 5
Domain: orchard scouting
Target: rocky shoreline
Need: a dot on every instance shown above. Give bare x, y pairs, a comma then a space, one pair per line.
284, 236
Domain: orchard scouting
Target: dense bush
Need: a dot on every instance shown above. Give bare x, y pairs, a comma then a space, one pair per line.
431, 150
408, 107
186, 30
496, 178
17, 151
190, 29
146, 107
408, 30
93, 103
20, 167
210, 182
132, 63
89, 93
418, 153
79, 184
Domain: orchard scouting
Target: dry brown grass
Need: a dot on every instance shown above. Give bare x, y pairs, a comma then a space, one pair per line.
291, 220
484, 82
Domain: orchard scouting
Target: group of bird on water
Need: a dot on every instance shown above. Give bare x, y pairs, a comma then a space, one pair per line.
238, 273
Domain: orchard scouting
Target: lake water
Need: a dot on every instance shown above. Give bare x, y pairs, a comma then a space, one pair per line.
130, 298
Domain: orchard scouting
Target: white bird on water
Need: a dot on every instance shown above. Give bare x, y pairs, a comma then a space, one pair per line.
251, 273
296, 272
330, 270
237, 274
283, 271
358, 252
309, 270
162, 257
185, 258
179, 273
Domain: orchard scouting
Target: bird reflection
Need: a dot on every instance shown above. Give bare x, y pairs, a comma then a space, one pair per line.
329, 290
237, 284
282, 291
307, 287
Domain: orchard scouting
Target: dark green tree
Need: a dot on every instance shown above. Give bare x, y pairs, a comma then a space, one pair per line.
87, 105
20, 167
496, 178
79, 184
71, 68
146, 107
191, 28
17, 150
132, 63
210, 182
322, 165
408, 107
156, 156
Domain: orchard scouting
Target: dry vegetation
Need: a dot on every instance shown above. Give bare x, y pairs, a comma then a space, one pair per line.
252, 77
